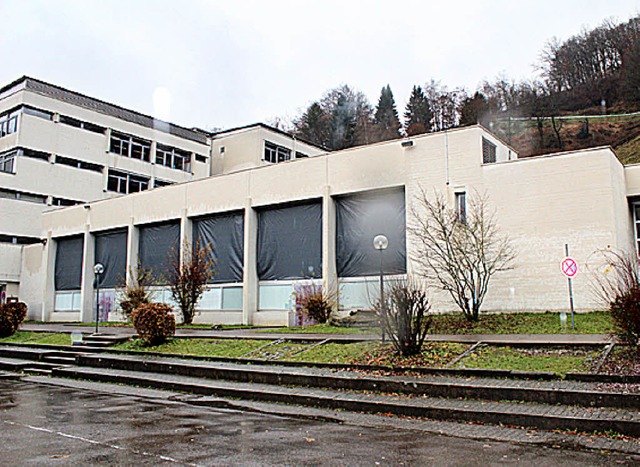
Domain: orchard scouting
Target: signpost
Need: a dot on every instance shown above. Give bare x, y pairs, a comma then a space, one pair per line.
569, 267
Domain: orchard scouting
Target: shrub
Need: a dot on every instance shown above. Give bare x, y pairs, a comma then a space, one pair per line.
188, 277
135, 294
616, 284
11, 317
404, 317
154, 323
625, 311
315, 304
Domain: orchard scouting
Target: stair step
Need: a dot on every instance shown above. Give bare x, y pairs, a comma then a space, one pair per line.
490, 389
37, 371
67, 360
542, 416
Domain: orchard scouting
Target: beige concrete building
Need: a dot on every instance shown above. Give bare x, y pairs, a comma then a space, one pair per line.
280, 212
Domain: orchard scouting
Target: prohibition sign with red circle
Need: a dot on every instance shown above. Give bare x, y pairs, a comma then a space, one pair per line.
569, 267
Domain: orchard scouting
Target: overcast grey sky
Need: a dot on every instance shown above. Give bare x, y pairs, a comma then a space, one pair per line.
230, 63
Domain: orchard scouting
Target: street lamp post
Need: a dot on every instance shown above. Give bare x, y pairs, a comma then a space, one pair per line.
380, 243
98, 269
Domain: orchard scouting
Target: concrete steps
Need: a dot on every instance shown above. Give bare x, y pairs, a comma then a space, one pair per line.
541, 403
533, 415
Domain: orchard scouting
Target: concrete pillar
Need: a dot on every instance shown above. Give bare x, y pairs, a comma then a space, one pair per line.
49, 290
250, 275
132, 252
87, 291
329, 274
186, 235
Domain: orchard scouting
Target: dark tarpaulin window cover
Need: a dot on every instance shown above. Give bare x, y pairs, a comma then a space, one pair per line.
111, 252
223, 235
156, 243
290, 242
68, 270
359, 218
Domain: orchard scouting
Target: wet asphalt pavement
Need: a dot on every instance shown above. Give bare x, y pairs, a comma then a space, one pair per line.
50, 425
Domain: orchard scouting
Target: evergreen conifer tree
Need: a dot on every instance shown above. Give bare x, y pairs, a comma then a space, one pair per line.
386, 116
418, 114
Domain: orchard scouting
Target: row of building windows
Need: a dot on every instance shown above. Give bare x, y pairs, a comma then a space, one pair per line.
22, 196
19, 240
81, 124
125, 182
274, 153
136, 148
173, 158
7, 160
121, 143
78, 164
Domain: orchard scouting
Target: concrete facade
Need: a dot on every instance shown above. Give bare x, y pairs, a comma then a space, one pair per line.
584, 199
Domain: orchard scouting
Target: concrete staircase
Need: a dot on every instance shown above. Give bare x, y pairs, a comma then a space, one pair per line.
547, 403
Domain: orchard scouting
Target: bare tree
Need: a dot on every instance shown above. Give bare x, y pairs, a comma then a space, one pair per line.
459, 250
188, 277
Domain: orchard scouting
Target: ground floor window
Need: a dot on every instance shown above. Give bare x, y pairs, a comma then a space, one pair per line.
68, 301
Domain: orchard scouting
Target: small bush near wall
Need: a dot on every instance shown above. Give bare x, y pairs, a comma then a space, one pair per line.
616, 283
404, 316
314, 303
154, 323
625, 311
11, 317
136, 293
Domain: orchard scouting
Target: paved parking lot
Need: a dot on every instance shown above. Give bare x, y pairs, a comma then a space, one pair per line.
46, 425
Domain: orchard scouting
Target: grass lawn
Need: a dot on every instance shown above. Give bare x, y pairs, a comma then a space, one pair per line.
596, 322
52, 338
234, 348
434, 354
556, 360
335, 353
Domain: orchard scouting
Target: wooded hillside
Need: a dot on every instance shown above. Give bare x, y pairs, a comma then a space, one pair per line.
586, 94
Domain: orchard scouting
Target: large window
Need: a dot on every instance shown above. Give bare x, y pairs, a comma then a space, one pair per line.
290, 241
130, 146
223, 236
124, 182
274, 153
359, 218
68, 265
158, 243
111, 252
173, 158
7, 161
9, 122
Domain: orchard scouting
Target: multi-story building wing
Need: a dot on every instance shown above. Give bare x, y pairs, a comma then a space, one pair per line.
61, 148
